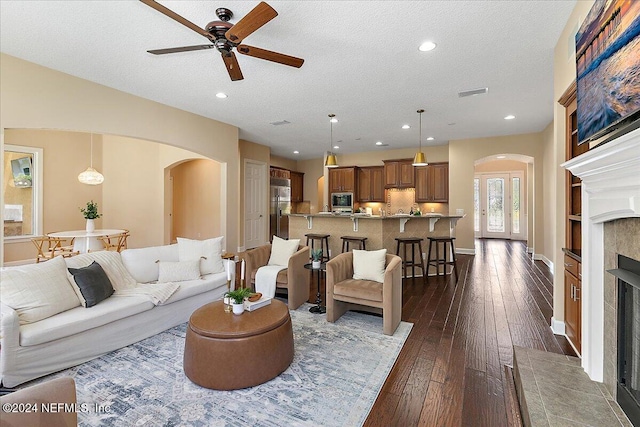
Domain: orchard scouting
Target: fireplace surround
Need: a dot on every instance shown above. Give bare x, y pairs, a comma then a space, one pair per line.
610, 175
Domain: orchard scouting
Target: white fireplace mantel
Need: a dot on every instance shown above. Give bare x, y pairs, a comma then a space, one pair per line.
610, 176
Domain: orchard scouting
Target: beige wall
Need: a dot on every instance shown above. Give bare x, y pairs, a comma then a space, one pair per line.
463, 154
281, 162
35, 97
548, 206
65, 155
195, 196
564, 73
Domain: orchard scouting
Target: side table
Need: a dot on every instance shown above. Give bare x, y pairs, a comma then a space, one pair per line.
318, 308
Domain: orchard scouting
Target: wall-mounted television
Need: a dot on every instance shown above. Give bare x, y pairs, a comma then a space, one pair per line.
608, 70
21, 169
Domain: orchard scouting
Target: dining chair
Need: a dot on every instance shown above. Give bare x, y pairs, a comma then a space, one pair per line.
115, 242
51, 247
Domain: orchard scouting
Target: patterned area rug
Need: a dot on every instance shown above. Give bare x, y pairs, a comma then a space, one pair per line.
336, 375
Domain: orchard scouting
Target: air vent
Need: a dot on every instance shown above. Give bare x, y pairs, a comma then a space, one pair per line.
473, 92
280, 123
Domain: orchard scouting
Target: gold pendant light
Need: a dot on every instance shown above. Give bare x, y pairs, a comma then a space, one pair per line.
91, 176
420, 159
331, 161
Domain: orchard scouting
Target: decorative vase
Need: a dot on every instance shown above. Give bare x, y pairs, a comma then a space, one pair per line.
316, 264
91, 226
238, 308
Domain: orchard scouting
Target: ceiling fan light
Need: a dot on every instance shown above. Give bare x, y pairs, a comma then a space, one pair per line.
91, 177
420, 159
331, 162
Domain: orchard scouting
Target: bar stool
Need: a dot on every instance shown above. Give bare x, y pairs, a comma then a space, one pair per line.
406, 263
324, 243
437, 261
346, 240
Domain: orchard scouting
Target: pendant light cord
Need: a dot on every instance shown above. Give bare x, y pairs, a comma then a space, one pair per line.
420, 137
91, 159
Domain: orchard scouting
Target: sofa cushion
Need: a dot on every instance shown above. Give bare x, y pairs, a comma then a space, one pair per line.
190, 288
178, 271
362, 289
209, 252
282, 250
93, 284
369, 265
111, 263
141, 262
82, 319
37, 291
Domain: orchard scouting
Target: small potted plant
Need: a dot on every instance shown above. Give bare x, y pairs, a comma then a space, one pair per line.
316, 258
237, 297
90, 213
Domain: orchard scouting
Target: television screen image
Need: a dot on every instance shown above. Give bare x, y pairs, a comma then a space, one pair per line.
608, 68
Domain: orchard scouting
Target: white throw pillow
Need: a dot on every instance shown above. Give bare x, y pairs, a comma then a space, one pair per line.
38, 291
178, 271
369, 265
281, 250
111, 263
211, 249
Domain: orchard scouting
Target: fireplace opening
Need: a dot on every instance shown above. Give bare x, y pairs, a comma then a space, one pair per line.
628, 387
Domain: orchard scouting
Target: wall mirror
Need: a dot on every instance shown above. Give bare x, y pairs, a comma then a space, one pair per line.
22, 192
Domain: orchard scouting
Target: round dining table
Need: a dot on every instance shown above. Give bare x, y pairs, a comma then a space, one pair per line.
85, 241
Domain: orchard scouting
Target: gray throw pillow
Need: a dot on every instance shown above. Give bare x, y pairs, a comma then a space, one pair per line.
93, 283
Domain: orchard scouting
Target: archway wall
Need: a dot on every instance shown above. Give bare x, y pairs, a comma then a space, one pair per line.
463, 155
35, 97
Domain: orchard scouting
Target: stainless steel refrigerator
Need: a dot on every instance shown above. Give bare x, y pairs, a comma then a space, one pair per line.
280, 207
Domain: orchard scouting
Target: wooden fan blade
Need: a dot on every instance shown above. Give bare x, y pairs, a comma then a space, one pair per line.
233, 68
181, 49
259, 15
280, 58
171, 14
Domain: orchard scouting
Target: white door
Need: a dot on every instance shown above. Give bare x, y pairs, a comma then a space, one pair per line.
254, 204
494, 200
499, 206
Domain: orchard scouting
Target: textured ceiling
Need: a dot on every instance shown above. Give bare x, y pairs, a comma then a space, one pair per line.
361, 63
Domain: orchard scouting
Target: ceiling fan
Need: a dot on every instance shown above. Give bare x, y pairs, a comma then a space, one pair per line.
225, 36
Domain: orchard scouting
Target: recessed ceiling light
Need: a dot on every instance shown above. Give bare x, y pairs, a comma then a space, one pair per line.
510, 117
335, 147
334, 120
296, 152
406, 127
427, 46
221, 95
501, 157
379, 143
430, 138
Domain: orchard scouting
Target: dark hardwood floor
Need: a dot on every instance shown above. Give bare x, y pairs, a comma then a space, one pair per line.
450, 371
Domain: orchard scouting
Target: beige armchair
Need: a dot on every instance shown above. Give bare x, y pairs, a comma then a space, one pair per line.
61, 391
295, 278
346, 293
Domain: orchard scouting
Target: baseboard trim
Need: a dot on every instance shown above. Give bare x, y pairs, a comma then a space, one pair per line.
547, 261
465, 251
557, 327
529, 250
20, 262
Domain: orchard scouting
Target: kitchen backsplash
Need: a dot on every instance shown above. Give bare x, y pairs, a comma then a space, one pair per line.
403, 199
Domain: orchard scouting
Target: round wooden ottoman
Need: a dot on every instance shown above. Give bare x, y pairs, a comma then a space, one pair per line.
224, 351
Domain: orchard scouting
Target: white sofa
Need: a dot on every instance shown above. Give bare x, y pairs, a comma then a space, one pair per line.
72, 337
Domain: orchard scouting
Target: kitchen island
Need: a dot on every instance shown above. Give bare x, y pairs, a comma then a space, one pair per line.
380, 231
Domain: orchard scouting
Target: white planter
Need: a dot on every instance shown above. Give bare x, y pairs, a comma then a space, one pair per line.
238, 308
91, 226
316, 264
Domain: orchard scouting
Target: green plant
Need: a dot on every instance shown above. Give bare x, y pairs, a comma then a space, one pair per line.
91, 211
316, 254
238, 295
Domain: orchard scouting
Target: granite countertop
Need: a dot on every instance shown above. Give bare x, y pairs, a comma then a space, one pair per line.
365, 216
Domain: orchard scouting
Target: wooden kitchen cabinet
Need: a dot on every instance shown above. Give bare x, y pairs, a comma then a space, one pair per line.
432, 183
342, 180
398, 173
297, 186
573, 302
371, 184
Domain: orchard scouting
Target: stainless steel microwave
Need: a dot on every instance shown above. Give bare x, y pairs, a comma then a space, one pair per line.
342, 202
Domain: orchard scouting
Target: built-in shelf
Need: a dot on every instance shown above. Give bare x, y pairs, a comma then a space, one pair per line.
577, 184
575, 217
